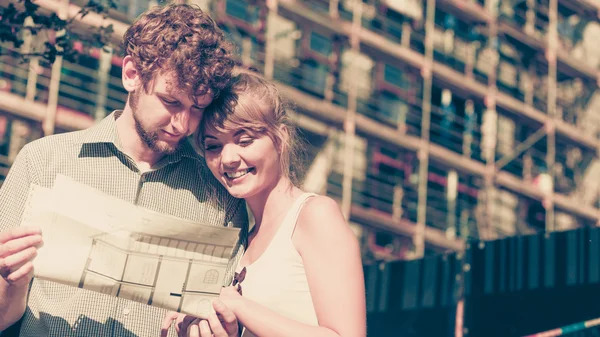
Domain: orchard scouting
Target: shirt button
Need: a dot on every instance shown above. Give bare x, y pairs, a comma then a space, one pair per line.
126, 311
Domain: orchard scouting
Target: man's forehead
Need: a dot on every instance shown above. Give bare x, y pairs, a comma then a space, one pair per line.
201, 97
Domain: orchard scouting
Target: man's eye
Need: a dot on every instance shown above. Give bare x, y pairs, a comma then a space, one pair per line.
169, 102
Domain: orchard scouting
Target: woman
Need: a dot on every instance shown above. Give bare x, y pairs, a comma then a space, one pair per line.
303, 271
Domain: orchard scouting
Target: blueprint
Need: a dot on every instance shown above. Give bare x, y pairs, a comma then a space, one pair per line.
101, 243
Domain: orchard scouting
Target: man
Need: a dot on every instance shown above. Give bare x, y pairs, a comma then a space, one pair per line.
176, 62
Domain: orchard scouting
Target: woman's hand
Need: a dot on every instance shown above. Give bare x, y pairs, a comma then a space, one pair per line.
231, 297
222, 323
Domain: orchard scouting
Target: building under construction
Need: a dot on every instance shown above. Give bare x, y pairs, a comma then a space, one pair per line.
433, 122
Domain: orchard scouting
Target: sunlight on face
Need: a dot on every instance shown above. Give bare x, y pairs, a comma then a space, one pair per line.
245, 162
165, 116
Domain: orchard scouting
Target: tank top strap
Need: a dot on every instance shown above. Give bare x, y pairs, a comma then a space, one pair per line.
289, 224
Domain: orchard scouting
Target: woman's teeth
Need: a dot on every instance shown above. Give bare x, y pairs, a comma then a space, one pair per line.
233, 175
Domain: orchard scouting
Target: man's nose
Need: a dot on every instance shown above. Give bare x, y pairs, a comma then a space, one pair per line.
181, 121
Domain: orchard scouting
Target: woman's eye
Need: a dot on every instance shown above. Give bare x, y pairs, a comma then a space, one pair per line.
211, 148
246, 141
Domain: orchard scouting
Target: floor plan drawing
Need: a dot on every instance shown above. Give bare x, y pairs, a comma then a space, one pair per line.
129, 252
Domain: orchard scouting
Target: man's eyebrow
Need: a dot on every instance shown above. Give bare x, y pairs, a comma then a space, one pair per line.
166, 93
209, 136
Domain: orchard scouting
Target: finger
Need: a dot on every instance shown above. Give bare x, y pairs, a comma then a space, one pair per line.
204, 329
5, 273
21, 275
12, 262
166, 323
183, 322
178, 327
17, 245
193, 329
19, 232
216, 326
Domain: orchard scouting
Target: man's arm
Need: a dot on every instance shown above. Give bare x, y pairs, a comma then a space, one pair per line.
18, 245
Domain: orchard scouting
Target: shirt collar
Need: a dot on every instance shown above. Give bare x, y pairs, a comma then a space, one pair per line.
105, 131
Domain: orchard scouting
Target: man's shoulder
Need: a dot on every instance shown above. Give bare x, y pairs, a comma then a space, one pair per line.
43, 152
58, 142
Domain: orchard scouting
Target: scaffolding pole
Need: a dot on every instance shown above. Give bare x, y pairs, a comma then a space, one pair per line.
33, 62
333, 9
550, 129
49, 122
20, 130
270, 40
490, 158
106, 54
423, 154
350, 120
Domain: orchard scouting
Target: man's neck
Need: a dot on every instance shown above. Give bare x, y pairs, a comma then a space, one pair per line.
133, 146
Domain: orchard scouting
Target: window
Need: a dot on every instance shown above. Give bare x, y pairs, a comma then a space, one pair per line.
211, 277
116, 95
392, 109
79, 85
321, 44
395, 77
314, 76
5, 125
132, 8
241, 10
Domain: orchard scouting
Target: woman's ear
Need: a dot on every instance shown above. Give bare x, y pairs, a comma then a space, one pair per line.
130, 76
284, 138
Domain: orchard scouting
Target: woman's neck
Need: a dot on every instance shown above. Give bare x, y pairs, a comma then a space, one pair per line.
272, 203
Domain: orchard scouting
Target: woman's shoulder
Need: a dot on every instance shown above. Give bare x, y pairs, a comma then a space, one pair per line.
321, 215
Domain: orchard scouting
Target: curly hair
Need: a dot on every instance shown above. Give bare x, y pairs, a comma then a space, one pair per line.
182, 39
252, 102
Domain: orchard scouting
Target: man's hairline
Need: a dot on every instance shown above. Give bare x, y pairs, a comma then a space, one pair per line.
170, 87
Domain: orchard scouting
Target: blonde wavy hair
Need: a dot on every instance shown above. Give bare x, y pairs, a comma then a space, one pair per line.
252, 102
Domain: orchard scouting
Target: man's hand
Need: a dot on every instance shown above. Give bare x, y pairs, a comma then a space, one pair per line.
18, 248
221, 324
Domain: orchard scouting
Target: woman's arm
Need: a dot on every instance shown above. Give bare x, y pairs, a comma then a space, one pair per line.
331, 256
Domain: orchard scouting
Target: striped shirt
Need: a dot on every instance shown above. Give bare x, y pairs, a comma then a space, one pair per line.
180, 184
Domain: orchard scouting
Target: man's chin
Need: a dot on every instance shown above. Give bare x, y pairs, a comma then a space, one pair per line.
166, 148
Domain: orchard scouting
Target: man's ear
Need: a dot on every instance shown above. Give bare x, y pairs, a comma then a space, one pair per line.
130, 75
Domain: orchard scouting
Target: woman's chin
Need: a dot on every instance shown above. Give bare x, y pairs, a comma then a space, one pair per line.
237, 193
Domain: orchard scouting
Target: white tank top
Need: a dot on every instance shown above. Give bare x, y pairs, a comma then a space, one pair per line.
277, 279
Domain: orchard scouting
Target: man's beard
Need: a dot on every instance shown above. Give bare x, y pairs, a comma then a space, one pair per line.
149, 137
